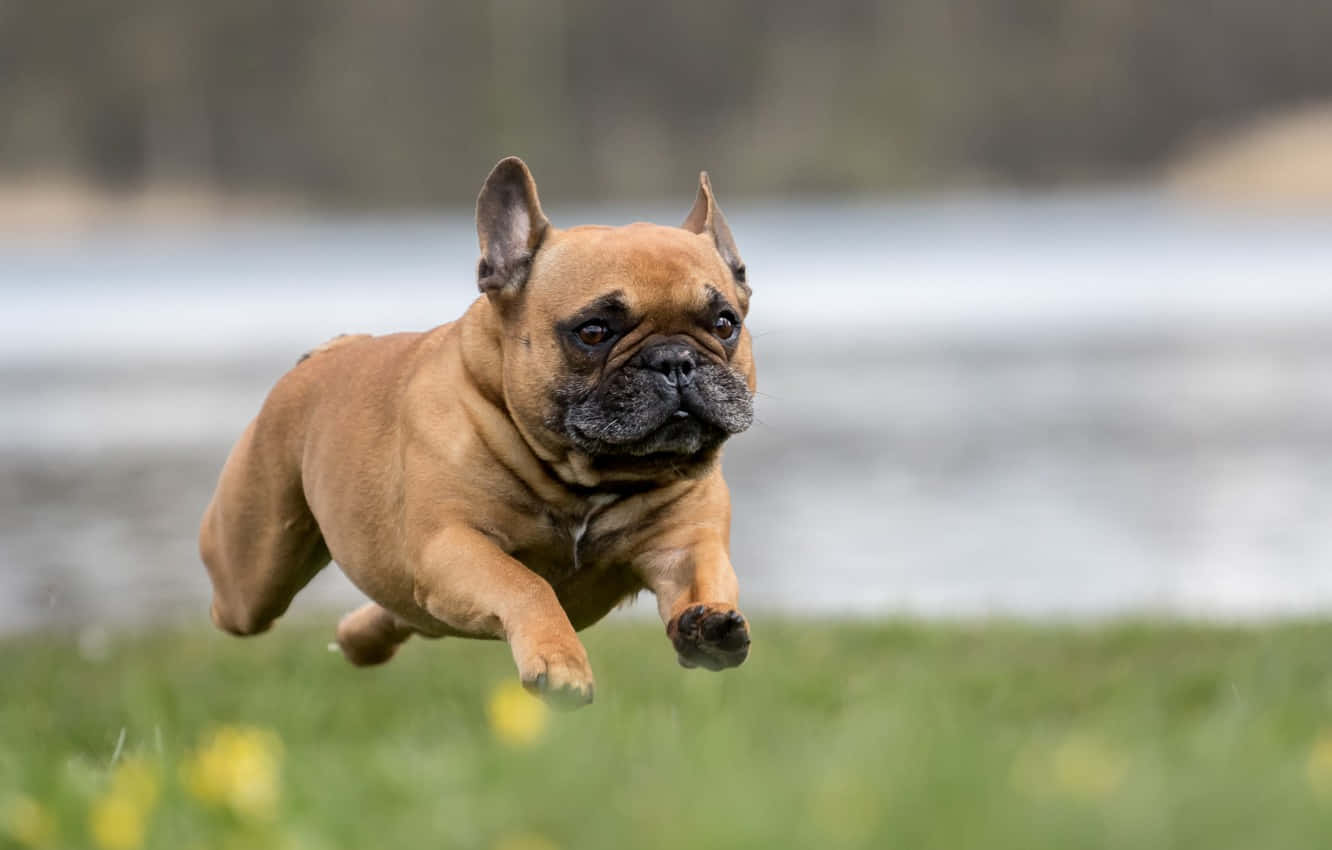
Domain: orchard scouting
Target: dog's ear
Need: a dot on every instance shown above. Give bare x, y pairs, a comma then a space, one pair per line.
510, 226
706, 217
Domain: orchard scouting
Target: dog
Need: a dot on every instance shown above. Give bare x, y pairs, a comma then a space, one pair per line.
517, 473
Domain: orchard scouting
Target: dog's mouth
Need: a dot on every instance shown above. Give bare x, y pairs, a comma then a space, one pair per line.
682, 431
633, 419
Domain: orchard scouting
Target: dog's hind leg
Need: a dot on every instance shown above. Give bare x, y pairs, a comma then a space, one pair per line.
258, 538
370, 635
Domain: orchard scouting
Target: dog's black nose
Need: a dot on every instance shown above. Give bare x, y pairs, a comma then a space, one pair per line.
674, 360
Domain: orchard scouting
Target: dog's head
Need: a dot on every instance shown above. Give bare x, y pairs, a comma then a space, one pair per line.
625, 344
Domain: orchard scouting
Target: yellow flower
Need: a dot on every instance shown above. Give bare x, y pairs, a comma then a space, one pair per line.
237, 768
1083, 767
1079, 767
117, 823
516, 717
136, 781
29, 823
525, 841
1319, 767
118, 819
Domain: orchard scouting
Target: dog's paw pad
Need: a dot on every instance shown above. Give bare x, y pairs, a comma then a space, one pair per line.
710, 636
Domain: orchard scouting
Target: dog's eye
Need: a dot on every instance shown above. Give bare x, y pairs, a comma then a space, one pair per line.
724, 326
592, 333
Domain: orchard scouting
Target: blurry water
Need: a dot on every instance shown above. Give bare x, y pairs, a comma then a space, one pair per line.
1076, 406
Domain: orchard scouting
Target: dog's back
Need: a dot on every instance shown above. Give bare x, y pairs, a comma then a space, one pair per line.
259, 537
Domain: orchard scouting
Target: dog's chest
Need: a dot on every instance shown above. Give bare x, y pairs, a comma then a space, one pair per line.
578, 531
585, 558
570, 544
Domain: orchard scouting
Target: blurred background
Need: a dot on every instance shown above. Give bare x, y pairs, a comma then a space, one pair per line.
1043, 288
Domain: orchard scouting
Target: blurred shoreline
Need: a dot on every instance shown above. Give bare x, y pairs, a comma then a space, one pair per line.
63, 205
1279, 162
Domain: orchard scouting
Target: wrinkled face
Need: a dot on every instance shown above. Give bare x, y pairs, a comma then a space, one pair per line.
631, 343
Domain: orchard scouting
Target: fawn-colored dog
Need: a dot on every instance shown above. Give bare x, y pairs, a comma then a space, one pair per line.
518, 472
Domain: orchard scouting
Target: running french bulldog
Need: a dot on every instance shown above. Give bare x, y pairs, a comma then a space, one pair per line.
517, 473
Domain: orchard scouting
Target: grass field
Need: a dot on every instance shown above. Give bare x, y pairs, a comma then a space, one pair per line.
854, 735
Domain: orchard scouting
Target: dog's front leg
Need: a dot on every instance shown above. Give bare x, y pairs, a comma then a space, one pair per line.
464, 580
696, 592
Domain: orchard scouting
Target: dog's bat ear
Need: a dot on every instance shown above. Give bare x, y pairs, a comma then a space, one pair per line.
510, 226
706, 217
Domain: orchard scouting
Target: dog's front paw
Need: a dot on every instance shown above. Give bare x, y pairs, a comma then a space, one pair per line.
713, 636
559, 675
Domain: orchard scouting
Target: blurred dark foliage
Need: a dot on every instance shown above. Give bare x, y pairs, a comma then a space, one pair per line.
405, 102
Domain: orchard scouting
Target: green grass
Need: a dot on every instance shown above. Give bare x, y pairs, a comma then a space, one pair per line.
854, 735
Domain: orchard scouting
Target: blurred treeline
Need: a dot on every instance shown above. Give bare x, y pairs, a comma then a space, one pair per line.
406, 102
